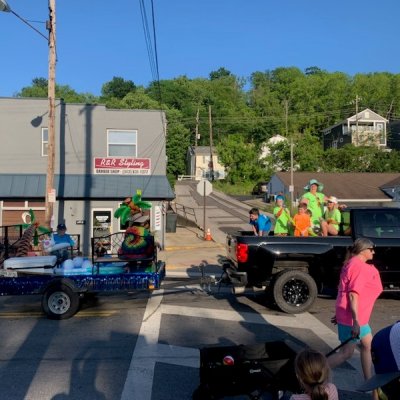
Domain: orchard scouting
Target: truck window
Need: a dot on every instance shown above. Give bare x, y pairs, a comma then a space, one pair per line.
380, 223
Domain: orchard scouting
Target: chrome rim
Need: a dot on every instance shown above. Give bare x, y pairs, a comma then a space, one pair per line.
295, 292
59, 303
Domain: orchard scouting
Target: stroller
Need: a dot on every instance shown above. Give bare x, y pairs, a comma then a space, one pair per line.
259, 371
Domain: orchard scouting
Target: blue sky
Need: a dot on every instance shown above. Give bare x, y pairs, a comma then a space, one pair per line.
97, 40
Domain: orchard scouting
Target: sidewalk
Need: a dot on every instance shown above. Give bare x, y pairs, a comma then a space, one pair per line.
186, 253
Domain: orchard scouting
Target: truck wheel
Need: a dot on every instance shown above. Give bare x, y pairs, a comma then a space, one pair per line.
59, 301
294, 291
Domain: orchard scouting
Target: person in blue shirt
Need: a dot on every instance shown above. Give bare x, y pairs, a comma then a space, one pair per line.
60, 238
261, 223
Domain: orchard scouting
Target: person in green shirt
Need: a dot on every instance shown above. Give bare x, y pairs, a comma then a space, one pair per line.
332, 218
315, 199
282, 217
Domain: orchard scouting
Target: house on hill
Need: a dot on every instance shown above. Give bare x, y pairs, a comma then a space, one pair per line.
367, 128
199, 164
350, 188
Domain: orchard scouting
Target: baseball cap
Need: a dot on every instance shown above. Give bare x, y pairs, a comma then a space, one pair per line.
385, 351
61, 227
332, 199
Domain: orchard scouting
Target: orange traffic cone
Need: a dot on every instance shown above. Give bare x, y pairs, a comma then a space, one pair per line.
208, 235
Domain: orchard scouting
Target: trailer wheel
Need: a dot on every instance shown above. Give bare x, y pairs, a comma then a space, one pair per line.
294, 291
59, 301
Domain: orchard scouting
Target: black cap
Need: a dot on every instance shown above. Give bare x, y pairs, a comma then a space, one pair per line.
61, 227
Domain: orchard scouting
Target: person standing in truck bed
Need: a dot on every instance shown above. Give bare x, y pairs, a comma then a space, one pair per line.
301, 221
315, 199
282, 217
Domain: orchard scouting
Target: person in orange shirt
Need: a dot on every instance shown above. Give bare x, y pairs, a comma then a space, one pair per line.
301, 221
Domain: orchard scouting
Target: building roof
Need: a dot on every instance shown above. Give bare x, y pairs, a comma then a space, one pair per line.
154, 187
204, 150
347, 185
361, 117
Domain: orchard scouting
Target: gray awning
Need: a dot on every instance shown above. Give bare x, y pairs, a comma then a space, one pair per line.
20, 186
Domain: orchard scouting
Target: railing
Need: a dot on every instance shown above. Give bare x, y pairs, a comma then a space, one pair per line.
9, 236
185, 212
186, 177
10, 240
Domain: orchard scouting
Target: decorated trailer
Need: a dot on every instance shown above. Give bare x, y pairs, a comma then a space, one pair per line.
120, 262
64, 285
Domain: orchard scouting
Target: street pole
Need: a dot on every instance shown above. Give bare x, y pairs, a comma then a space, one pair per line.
204, 211
211, 145
291, 187
50, 198
51, 88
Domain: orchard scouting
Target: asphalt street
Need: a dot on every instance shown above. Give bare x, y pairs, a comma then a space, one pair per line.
188, 254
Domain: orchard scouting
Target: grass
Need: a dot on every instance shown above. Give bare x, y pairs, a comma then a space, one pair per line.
242, 188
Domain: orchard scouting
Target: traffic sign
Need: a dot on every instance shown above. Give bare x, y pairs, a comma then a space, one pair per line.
204, 187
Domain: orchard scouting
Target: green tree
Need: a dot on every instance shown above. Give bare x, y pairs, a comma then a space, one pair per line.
118, 87
219, 73
138, 100
178, 141
307, 154
39, 90
240, 159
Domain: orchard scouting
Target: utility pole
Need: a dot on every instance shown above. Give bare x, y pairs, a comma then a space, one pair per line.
197, 127
357, 138
50, 194
291, 187
211, 144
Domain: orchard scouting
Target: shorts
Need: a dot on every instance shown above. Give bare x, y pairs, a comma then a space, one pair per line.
344, 332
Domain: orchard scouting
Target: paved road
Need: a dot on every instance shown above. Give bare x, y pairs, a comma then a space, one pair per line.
131, 346
145, 347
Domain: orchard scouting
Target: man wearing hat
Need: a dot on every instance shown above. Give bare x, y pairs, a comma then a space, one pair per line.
385, 349
315, 199
60, 238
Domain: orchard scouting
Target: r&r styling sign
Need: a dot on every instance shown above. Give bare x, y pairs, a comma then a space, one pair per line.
122, 166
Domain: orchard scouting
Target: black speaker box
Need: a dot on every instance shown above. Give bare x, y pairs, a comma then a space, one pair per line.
266, 367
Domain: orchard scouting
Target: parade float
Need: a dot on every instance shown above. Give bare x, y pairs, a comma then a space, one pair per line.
120, 262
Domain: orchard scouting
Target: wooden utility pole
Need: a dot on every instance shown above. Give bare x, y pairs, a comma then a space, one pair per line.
357, 137
211, 145
50, 196
291, 188
197, 127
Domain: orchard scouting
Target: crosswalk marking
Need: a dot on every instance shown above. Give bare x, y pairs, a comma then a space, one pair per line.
148, 351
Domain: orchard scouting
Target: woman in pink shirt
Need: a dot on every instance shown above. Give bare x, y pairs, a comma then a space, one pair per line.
359, 287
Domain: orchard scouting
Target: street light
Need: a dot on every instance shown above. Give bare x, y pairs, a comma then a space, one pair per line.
51, 88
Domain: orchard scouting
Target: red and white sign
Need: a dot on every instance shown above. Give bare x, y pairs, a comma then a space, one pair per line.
122, 166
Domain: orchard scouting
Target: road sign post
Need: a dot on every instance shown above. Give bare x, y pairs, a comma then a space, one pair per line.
204, 188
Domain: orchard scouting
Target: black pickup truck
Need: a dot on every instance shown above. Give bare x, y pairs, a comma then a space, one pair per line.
295, 269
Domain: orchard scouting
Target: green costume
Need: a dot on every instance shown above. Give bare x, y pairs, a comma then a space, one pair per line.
315, 205
335, 215
281, 222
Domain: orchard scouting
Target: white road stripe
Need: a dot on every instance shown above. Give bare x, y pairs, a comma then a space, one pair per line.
139, 380
148, 351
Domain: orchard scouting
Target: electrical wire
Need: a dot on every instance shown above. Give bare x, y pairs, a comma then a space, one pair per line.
152, 52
